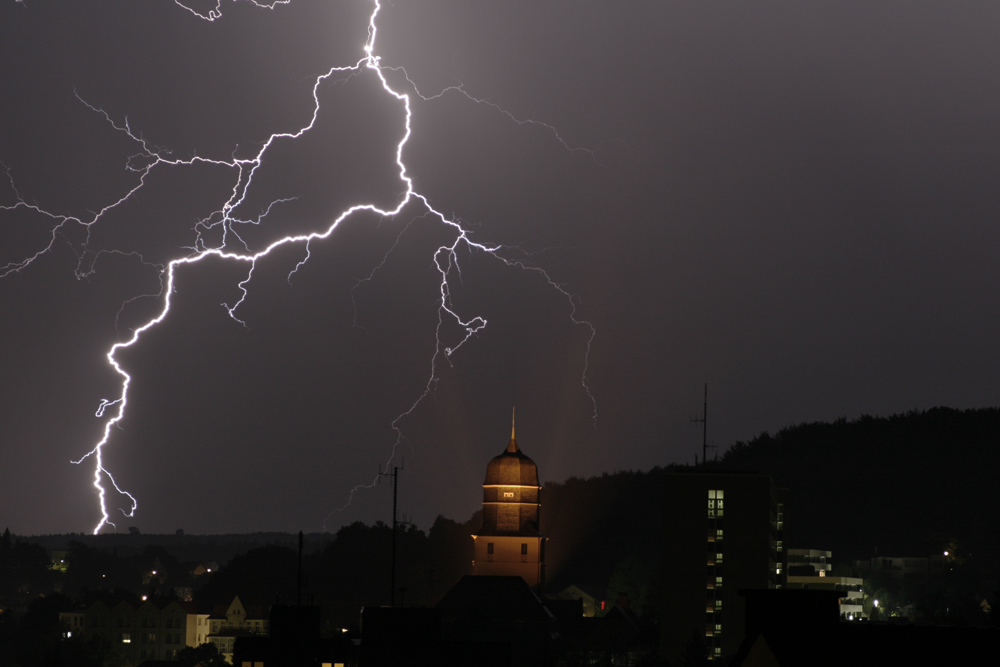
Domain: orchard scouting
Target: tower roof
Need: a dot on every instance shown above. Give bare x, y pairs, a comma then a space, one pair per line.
512, 466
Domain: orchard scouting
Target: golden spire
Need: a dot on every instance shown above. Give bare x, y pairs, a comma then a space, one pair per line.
512, 447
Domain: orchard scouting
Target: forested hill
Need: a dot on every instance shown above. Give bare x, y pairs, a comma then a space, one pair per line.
906, 484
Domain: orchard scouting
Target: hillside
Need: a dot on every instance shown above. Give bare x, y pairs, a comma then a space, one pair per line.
904, 485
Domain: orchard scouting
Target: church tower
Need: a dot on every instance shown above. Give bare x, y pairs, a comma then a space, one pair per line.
509, 543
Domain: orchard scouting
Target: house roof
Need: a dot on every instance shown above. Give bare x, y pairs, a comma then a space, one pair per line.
491, 596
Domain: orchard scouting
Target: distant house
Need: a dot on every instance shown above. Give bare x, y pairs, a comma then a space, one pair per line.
591, 597
197, 569
810, 569
910, 569
226, 624
809, 562
59, 560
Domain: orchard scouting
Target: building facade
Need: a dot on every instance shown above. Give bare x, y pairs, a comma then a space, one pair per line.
145, 632
227, 624
724, 531
811, 569
809, 562
509, 543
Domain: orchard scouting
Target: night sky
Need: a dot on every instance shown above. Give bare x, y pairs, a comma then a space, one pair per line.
795, 202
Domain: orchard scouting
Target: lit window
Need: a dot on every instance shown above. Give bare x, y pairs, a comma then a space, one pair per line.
718, 582
718, 558
126, 638
718, 604
718, 627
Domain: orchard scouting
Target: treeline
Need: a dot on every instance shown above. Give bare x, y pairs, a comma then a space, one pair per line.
24, 571
218, 548
353, 570
905, 485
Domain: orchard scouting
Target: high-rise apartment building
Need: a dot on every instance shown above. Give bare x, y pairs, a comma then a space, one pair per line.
724, 531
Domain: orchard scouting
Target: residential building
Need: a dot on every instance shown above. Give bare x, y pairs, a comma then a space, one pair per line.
592, 598
809, 562
149, 631
226, 624
724, 531
810, 569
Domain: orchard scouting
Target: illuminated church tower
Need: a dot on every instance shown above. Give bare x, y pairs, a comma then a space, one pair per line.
509, 543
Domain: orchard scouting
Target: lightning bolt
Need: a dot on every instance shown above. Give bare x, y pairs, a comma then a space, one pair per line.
224, 220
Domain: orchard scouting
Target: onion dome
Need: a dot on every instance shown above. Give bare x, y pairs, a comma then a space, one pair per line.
512, 467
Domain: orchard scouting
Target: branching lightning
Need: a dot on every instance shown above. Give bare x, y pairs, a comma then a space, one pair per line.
226, 224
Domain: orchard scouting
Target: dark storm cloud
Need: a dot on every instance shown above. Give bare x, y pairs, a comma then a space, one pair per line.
795, 202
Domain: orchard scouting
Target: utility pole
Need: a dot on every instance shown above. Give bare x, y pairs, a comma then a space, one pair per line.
298, 577
395, 486
704, 430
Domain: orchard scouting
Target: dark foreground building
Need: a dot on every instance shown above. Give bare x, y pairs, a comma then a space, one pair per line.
295, 641
786, 628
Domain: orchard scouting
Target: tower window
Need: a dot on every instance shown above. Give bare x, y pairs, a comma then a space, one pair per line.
524, 549
489, 548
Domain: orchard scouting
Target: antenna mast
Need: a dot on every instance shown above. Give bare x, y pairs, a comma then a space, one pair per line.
704, 430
